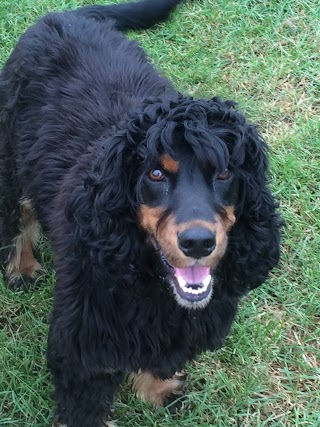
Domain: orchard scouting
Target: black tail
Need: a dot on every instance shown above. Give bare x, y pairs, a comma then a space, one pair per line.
131, 16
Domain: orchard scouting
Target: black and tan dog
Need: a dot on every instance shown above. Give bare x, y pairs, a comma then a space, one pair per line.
156, 204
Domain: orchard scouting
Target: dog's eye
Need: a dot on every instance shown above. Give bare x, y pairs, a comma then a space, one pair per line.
224, 175
156, 175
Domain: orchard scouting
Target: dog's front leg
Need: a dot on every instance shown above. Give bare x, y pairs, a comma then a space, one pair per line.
156, 390
85, 402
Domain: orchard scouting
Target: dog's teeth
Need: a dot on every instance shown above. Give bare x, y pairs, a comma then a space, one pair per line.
194, 291
206, 281
188, 287
181, 281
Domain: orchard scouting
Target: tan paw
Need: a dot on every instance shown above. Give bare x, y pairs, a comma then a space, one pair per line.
154, 390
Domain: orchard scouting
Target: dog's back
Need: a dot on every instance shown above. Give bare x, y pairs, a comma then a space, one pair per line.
71, 77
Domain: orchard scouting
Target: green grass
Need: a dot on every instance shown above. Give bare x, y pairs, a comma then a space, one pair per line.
265, 55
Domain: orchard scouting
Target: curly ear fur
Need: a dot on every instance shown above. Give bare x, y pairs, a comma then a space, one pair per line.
96, 245
253, 248
100, 210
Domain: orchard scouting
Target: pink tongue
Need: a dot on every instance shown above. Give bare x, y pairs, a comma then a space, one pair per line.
193, 274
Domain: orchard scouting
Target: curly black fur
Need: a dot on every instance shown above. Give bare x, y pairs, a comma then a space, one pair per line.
83, 115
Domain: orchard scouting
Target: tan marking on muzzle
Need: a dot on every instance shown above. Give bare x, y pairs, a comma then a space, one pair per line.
149, 218
166, 235
230, 219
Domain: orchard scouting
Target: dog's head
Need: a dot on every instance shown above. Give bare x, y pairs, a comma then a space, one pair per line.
190, 175
188, 190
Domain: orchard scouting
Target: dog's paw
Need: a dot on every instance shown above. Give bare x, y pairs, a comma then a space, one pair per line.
174, 401
21, 282
157, 391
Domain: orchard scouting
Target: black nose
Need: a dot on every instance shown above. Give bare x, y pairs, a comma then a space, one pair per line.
197, 242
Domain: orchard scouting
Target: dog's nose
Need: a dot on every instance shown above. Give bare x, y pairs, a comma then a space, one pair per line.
197, 242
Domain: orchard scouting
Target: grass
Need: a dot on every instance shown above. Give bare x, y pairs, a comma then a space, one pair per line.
265, 55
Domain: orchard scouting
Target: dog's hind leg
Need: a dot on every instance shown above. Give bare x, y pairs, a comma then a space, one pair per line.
19, 231
18, 226
22, 268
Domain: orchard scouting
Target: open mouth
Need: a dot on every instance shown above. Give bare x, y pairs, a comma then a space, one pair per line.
193, 283
192, 286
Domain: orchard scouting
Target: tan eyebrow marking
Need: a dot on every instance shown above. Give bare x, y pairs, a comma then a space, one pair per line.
168, 164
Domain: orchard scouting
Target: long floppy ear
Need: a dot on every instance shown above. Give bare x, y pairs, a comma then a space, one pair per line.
98, 225
254, 241
96, 249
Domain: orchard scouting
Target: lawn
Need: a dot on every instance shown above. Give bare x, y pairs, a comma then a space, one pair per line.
265, 55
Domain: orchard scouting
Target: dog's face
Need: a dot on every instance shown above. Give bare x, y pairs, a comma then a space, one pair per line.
187, 211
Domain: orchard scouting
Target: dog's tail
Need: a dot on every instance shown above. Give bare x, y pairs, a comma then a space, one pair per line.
131, 16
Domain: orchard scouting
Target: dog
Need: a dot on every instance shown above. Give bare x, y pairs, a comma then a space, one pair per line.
157, 206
